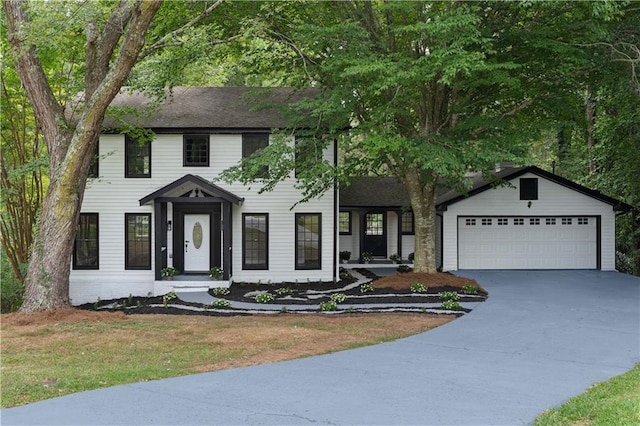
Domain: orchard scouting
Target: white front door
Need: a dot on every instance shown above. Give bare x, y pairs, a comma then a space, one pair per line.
197, 244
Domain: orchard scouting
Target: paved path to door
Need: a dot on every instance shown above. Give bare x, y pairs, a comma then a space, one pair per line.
540, 338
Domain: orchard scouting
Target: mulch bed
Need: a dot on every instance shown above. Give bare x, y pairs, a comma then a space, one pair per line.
393, 290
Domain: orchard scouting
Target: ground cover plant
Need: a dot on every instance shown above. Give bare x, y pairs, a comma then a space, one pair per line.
614, 402
100, 349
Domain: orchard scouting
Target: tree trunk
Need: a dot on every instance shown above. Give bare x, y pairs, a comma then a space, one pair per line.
70, 155
423, 202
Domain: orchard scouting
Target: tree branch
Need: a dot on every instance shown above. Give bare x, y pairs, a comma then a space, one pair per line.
49, 112
166, 40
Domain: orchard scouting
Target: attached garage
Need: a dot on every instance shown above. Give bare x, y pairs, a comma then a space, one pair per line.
528, 242
528, 218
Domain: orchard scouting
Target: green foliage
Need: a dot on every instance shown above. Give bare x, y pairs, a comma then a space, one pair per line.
283, 291
448, 295
452, 305
470, 289
219, 291
403, 269
220, 304
168, 298
419, 288
216, 272
11, 288
264, 297
329, 305
338, 297
169, 271
366, 288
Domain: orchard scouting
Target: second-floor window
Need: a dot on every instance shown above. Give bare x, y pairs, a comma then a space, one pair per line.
196, 150
137, 158
252, 143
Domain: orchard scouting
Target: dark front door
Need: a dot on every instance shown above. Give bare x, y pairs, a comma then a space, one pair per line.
375, 238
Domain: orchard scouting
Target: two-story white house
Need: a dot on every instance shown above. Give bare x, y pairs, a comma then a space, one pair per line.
153, 205
157, 204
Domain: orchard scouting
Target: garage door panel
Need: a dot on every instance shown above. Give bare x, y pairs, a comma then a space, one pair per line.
527, 243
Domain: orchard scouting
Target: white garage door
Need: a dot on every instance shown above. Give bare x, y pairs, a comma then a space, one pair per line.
527, 243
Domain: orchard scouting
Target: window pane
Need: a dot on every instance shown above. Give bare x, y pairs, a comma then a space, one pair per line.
138, 158
374, 224
138, 241
344, 223
196, 150
255, 241
307, 241
407, 223
85, 253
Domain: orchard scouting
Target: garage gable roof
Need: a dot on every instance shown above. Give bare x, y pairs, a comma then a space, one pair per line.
481, 184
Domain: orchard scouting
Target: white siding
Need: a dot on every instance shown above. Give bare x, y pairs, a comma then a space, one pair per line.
553, 200
112, 196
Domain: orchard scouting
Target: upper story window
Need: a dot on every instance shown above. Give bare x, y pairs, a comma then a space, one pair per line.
308, 152
528, 188
407, 223
85, 247
195, 151
254, 142
344, 223
137, 158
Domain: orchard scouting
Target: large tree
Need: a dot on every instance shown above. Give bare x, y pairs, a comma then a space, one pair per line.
429, 90
102, 41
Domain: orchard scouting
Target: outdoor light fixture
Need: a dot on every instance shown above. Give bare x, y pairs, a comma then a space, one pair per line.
528, 205
169, 223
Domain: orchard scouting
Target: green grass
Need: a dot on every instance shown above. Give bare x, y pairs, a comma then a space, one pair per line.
615, 402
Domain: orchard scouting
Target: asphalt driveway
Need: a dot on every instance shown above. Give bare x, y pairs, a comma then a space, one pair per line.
540, 338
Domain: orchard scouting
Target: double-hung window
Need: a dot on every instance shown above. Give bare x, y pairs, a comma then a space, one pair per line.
137, 158
195, 151
86, 244
407, 223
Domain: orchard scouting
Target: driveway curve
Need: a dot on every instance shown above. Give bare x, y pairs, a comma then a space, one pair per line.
540, 338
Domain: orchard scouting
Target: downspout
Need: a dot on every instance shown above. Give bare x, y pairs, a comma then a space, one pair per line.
336, 208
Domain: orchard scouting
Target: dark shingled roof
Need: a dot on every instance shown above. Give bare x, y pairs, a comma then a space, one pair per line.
213, 108
388, 192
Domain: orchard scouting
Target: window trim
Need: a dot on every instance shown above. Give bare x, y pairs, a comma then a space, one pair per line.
296, 248
127, 159
75, 242
348, 212
530, 190
185, 137
412, 231
254, 266
126, 242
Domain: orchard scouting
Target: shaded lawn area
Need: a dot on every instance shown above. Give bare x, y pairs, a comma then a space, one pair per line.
45, 355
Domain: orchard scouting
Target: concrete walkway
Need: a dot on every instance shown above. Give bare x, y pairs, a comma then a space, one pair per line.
540, 338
